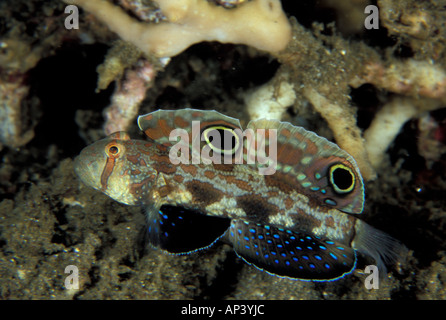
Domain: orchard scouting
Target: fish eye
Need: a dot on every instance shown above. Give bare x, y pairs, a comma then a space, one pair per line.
221, 139
341, 178
113, 150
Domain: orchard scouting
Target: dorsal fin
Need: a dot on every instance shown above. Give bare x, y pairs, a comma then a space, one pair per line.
160, 124
319, 167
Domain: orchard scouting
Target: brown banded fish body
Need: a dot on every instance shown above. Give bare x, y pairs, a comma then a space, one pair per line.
199, 176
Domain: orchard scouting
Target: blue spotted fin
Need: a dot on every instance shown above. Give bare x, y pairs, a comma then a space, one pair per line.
289, 253
179, 230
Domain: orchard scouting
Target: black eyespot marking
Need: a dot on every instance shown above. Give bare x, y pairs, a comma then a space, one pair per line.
342, 178
221, 139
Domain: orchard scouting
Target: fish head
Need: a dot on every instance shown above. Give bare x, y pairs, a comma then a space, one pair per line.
116, 166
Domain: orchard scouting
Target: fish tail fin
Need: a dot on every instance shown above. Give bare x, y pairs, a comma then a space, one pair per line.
386, 250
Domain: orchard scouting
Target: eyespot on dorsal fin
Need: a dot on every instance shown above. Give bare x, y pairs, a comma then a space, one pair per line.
212, 131
314, 166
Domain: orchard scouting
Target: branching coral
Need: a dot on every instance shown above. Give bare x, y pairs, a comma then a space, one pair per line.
270, 100
14, 133
260, 24
128, 96
389, 121
17, 115
412, 77
133, 75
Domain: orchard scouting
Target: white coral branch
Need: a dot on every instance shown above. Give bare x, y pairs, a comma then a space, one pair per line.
261, 24
388, 123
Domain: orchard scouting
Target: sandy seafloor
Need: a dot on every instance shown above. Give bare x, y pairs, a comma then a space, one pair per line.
49, 219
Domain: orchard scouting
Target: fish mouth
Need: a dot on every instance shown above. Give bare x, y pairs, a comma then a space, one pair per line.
89, 172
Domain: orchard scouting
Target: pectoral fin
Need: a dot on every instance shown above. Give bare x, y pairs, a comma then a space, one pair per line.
181, 231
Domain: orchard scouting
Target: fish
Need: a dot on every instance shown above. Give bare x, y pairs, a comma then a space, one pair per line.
286, 199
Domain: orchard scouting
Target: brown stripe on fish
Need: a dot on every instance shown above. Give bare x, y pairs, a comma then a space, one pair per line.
288, 203
315, 202
197, 114
189, 168
232, 180
285, 133
178, 178
145, 150
108, 169
142, 162
164, 191
209, 174
304, 220
162, 148
329, 222
282, 181
203, 193
272, 194
133, 158
312, 148
288, 154
256, 207
161, 165
162, 129
223, 167
181, 123
304, 143
160, 158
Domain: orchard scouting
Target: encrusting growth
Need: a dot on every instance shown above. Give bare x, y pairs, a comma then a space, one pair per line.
261, 24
